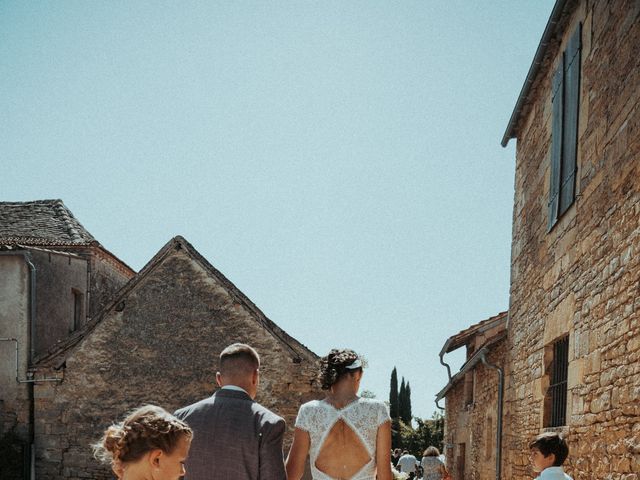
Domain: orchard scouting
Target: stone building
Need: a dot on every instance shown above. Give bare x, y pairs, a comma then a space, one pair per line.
54, 277
573, 333
156, 340
573, 341
472, 415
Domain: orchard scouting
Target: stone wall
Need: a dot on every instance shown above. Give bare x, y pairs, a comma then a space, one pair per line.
158, 345
58, 276
14, 396
582, 278
108, 275
474, 424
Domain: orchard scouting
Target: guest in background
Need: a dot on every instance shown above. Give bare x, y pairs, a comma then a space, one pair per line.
432, 466
395, 456
407, 463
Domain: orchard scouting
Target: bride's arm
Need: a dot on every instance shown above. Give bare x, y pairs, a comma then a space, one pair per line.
383, 451
298, 454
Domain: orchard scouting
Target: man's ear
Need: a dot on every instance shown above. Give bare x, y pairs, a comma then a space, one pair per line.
219, 379
256, 376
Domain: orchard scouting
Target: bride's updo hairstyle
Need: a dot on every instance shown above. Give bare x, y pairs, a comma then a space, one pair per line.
337, 363
145, 429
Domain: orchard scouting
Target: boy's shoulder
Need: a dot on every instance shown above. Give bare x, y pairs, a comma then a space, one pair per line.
553, 473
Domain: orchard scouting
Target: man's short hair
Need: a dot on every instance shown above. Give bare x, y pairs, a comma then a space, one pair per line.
552, 442
239, 359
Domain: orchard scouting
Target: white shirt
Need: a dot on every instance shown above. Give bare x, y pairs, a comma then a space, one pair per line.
234, 387
553, 473
407, 463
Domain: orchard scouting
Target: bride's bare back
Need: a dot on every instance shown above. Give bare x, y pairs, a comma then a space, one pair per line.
341, 442
342, 454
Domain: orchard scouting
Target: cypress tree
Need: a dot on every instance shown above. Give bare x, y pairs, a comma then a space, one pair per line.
402, 401
393, 395
407, 411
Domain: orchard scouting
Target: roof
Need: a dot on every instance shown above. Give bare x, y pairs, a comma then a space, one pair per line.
41, 222
555, 24
479, 356
297, 350
461, 338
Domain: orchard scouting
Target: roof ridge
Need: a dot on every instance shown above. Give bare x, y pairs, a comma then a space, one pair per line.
298, 349
70, 221
45, 201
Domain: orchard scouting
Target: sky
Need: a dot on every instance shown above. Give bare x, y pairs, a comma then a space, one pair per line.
339, 162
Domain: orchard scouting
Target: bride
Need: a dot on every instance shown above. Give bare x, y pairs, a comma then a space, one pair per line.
345, 436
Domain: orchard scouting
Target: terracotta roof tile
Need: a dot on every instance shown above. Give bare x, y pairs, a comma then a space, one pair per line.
463, 336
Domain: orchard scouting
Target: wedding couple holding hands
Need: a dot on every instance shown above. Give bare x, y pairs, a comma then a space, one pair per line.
229, 436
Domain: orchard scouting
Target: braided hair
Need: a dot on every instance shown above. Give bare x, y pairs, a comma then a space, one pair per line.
334, 365
146, 428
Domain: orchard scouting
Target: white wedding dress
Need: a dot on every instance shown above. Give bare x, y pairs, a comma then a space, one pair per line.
363, 416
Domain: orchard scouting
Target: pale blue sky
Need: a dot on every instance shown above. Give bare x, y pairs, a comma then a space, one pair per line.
340, 162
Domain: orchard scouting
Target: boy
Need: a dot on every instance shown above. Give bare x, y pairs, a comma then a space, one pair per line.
548, 453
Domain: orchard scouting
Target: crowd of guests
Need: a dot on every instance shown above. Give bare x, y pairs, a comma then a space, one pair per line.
230, 436
430, 467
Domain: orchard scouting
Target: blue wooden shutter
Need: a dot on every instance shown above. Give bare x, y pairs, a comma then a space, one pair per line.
557, 91
570, 121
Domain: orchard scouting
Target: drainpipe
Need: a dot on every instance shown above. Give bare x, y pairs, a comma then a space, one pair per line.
499, 422
31, 336
28, 374
445, 364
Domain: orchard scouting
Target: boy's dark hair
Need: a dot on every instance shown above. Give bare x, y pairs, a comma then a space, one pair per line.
552, 442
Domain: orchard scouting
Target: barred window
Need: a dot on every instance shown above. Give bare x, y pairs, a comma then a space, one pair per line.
556, 398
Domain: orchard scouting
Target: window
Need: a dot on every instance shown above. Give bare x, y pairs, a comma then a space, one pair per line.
565, 98
78, 309
460, 458
556, 398
469, 384
489, 438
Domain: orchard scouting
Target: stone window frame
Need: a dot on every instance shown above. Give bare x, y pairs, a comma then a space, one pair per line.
469, 386
489, 437
78, 309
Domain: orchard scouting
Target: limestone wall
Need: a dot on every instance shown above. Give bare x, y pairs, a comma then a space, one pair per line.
107, 277
58, 276
475, 424
582, 277
159, 345
14, 396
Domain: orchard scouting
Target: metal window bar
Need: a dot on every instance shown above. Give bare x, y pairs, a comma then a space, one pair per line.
558, 387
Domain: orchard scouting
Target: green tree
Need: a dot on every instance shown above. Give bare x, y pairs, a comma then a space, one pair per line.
393, 395
429, 432
402, 402
407, 415
396, 441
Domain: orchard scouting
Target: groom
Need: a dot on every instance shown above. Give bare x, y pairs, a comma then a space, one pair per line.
234, 437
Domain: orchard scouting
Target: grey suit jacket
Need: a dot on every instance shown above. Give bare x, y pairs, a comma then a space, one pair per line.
234, 438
